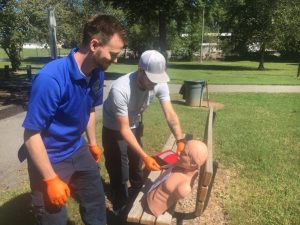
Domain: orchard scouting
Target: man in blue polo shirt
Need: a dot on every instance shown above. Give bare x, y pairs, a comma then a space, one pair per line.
61, 108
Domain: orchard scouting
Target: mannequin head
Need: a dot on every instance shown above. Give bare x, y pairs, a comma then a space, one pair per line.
193, 156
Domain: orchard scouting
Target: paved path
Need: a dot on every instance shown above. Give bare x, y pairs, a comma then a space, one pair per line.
11, 133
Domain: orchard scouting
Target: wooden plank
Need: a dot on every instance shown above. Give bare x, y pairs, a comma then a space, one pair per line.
206, 173
206, 178
147, 219
164, 219
200, 208
215, 167
203, 193
137, 210
209, 162
171, 143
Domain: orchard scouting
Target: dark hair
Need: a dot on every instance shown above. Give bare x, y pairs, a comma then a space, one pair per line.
103, 27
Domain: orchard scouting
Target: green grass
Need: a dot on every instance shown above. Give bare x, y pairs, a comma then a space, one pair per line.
37, 58
223, 72
255, 135
258, 136
215, 72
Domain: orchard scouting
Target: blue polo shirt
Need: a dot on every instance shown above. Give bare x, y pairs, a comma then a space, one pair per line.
60, 104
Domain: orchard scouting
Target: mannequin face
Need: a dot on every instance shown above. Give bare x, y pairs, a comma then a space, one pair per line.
185, 161
193, 156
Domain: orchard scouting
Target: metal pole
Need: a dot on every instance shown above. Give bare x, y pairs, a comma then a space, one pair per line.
201, 50
52, 33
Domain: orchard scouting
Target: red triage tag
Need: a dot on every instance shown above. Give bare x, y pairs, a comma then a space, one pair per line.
168, 156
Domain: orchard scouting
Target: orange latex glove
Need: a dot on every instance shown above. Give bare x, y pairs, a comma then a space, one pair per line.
150, 163
180, 145
96, 152
58, 191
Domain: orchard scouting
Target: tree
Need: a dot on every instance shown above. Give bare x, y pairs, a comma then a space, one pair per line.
156, 16
12, 31
288, 29
251, 22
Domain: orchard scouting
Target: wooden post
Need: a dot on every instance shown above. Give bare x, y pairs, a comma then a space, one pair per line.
6, 71
207, 98
29, 74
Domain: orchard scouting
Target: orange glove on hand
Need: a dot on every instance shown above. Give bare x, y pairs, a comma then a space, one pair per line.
150, 163
58, 191
180, 145
96, 152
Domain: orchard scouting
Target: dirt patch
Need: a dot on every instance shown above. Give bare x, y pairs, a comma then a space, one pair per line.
204, 104
215, 105
214, 213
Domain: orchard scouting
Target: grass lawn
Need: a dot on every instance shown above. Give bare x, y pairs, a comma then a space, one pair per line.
223, 72
255, 135
215, 72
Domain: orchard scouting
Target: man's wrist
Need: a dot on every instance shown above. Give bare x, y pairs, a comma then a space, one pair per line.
182, 140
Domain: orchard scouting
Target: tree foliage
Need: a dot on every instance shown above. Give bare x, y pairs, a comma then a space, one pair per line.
162, 25
155, 17
251, 22
12, 31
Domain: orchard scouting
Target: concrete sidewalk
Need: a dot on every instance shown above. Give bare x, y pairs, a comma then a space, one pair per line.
174, 88
11, 132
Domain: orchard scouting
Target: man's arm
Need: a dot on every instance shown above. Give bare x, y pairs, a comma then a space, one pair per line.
172, 119
91, 136
37, 152
57, 191
130, 139
91, 128
129, 136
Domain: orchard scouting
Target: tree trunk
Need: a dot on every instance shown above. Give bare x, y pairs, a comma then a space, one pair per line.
162, 33
13, 53
262, 56
298, 74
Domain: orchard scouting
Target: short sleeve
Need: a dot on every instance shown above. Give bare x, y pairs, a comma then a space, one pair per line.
119, 102
43, 103
162, 92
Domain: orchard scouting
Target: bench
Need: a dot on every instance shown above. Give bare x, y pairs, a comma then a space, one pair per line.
206, 178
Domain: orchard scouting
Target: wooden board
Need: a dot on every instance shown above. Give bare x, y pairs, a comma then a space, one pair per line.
137, 214
207, 171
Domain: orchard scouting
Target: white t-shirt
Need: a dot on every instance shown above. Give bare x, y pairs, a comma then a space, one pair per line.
125, 98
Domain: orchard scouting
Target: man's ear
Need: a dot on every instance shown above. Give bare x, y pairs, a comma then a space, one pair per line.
94, 43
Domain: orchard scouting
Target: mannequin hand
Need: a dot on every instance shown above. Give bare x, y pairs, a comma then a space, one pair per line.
150, 163
180, 145
57, 191
96, 152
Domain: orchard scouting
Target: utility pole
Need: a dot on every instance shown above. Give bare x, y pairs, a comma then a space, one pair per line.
201, 50
52, 33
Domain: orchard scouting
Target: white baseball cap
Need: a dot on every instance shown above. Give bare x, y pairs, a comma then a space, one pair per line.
154, 65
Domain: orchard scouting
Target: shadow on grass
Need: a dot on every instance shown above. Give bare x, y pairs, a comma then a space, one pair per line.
37, 60
16, 211
14, 90
113, 75
210, 67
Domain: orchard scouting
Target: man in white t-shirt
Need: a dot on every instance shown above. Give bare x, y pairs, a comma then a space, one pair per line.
128, 97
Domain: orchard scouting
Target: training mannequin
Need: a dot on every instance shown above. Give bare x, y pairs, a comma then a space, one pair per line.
177, 181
